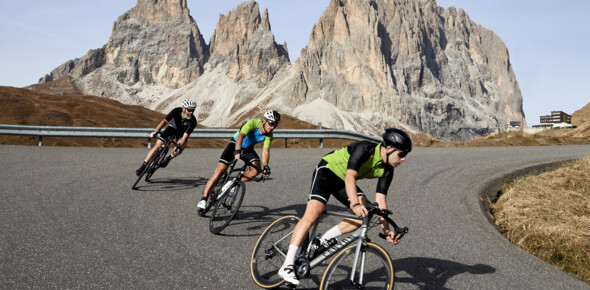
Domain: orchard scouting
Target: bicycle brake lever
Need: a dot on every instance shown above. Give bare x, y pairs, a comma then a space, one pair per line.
399, 233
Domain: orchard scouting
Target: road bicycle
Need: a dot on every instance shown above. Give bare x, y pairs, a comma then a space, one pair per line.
156, 159
227, 197
357, 264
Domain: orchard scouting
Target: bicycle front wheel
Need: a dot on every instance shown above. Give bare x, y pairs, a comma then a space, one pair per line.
374, 269
226, 208
270, 252
157, 158
147, 169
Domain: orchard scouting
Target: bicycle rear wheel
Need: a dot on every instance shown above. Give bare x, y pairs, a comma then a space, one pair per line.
374, 269
225, 209
270, 252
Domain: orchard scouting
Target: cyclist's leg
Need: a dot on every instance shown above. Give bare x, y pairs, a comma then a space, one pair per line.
313, 211
251, 156
318, 197
153, 150
226, 157
346, 225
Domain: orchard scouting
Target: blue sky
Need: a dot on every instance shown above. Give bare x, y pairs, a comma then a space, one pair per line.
548, 40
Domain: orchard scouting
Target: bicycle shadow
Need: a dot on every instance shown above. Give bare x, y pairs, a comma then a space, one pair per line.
258, 218
167, 184
432, 273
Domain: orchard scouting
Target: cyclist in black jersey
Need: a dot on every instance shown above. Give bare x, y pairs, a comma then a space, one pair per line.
336, 175
179, 123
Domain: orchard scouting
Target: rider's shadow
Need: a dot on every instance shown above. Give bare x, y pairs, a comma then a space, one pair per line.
177, 183
257, 218
431, 273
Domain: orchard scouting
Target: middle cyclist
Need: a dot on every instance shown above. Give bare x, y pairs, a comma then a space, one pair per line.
241, 145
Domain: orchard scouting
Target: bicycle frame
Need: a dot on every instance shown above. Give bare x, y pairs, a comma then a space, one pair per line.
228, 176
359, 235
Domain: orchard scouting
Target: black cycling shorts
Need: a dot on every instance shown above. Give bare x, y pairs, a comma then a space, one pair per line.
169, 131
325, 183
247, 153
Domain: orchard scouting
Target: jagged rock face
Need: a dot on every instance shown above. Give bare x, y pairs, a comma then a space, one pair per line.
370, 64
244, 41
412, 62
157, 42
154, 43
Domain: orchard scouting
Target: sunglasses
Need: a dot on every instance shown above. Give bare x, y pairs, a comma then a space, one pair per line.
271, 123
402, 154
190, 110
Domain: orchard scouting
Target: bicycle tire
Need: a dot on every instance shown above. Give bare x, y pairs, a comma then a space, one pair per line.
377, 269
144, 171
270, 251
225, 209
158, 157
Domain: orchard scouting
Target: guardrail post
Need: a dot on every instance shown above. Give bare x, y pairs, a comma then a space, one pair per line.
40, 141
321, 140
149, 142
286, 142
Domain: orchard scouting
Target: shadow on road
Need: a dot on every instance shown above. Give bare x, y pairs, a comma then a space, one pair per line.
431, 273
168, 184
258, 217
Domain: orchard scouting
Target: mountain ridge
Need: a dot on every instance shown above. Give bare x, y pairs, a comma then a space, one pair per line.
368, 65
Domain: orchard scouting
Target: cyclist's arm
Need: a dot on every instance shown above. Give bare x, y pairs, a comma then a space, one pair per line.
162, 124
265, 156
381, 200
350, 184
183, 141
239, 140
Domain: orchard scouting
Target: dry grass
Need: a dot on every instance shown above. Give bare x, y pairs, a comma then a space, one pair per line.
548, 215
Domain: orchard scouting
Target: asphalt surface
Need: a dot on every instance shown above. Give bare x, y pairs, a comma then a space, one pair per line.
69, 219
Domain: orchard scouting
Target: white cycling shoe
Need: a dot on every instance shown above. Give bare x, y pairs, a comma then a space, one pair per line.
288, 274
202, 204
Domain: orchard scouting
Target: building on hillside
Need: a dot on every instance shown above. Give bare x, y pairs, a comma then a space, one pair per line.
556, 117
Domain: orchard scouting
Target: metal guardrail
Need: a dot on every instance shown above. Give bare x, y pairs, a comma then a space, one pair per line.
104, 132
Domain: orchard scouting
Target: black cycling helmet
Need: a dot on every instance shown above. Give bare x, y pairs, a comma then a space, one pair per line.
398, 139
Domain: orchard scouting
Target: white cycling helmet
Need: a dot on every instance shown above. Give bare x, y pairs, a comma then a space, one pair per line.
189, 104
273, 116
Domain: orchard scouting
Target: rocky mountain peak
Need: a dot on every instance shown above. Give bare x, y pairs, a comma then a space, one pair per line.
369, 65
158, 11
406, 63
243, 41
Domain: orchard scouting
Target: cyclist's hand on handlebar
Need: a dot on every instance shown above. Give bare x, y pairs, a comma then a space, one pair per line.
360, 210
153, 134
391, 237
266, 172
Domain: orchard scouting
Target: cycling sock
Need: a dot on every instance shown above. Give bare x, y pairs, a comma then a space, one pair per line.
290, 259
331, 233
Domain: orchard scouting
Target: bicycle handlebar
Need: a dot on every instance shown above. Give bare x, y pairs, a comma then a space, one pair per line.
165, 140
246, 164
399, 232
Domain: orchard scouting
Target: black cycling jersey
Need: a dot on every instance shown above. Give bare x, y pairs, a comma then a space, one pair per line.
179, 124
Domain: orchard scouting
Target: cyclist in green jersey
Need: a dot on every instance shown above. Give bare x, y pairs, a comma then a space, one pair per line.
241, 145
336, 175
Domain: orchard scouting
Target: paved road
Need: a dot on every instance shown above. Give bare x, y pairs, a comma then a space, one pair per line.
68, 219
